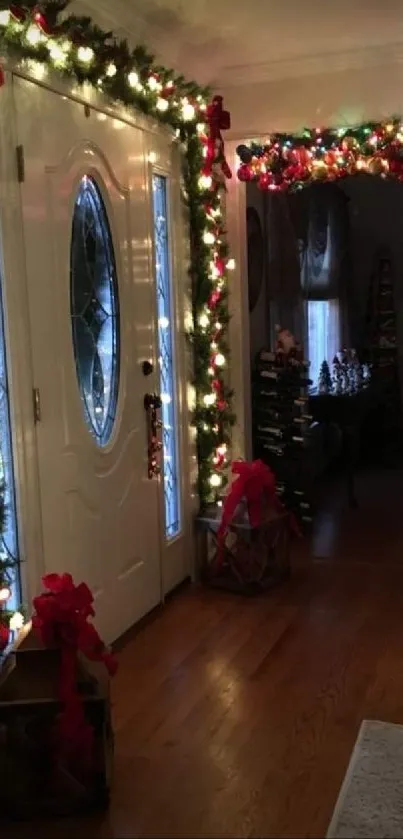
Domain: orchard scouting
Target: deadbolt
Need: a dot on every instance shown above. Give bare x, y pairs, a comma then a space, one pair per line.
148, 368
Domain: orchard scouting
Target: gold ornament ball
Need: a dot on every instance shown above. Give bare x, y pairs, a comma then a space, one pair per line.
349, 143
319, 170
376, 166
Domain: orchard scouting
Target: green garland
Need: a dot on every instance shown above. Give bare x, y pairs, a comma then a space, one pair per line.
75, 48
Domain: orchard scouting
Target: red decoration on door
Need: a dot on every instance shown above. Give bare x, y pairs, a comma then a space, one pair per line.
218, 120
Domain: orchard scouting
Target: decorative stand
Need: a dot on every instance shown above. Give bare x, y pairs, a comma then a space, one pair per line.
36, 782
254, 558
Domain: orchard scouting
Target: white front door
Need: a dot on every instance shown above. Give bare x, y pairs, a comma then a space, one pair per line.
87, 225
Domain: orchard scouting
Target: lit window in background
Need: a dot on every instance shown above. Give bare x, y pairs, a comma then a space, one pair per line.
323, 335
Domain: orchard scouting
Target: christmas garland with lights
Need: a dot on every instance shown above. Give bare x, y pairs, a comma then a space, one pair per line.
286, 161
42, 35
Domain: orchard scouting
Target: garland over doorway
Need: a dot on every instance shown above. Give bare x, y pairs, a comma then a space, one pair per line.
291, 161
42, 38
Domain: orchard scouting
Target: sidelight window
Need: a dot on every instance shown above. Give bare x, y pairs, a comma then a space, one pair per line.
166, 357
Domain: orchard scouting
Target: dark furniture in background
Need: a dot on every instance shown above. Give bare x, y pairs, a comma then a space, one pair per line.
348, 412
281, 424
384, 431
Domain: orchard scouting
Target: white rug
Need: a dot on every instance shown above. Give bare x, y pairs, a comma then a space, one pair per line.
370, 803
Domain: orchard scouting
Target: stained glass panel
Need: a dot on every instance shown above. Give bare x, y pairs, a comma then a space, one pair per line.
9, 551
95, 311
166, 358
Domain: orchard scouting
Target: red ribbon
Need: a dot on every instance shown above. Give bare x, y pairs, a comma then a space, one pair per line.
61, 617
218, 120
257, 485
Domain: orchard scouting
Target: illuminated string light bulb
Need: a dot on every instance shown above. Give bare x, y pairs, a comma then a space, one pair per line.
188, 111
58, 54
208, 238
204, 321
111, 70
38, 70
162, 104
205, 182
133, 78
215, 480
231, 264
219, 360
85, 55
222, 450
154, 84
4, 17
34, 36
209, 399
5, 594
17, 621
218, 325
201, 128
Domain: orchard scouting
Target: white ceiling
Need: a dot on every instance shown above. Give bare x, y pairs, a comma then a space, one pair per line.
221, 42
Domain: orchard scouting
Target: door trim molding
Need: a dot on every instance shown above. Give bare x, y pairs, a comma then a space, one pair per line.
19, 356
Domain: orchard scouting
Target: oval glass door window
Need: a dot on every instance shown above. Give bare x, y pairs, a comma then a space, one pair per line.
95, 311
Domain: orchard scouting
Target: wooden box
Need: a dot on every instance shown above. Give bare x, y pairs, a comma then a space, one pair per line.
34, 781
254, 558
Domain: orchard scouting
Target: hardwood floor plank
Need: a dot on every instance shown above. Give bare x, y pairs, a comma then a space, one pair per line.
237, 717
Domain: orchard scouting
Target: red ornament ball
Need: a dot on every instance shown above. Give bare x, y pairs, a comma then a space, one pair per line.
41, 21
18, 14
4, 635
265, 180
244, 173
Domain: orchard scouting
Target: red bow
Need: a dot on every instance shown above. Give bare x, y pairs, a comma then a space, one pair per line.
257, 485
61, 617
218, 120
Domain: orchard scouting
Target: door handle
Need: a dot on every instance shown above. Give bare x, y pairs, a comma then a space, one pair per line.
152, 404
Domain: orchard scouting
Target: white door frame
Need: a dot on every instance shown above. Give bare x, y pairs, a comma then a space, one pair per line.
240, 380
19, 355
17, 328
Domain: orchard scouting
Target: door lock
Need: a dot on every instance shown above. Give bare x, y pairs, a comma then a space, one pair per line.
153, 404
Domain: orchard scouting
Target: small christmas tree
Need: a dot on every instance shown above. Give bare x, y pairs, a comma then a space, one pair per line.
337, 376
325, 379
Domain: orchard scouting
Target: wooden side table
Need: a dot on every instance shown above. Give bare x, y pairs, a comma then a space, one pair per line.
254, 558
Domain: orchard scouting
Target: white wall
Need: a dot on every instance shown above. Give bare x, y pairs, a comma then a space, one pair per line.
321, 99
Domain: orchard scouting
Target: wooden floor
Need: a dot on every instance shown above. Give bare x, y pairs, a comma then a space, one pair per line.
237, 717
